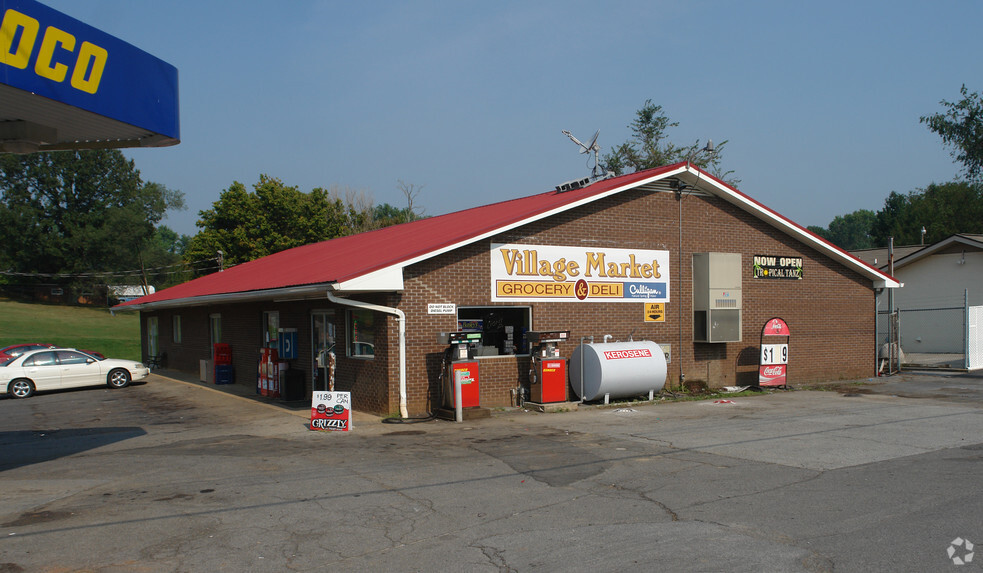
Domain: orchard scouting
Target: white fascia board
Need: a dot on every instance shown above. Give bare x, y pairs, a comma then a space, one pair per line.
369, 282
878, 279
932, 249
387, 279
305, 291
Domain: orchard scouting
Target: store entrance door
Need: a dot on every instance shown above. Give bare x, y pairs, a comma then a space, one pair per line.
322, 350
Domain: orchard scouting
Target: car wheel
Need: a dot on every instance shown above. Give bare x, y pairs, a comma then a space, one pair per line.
118, 378
21, 388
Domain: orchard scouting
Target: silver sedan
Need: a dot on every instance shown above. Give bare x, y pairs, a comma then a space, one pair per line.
59, 368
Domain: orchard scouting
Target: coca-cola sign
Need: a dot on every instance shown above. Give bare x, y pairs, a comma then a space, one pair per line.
772, 375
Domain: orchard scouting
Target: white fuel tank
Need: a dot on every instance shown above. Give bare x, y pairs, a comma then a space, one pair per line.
619, 369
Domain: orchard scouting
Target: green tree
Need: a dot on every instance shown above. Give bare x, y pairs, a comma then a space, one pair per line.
162, 259
851, 231
961, 128
385, 215
942, 209
274, 217
75, 213
649, 147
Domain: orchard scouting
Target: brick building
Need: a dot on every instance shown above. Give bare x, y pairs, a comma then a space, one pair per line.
588, 260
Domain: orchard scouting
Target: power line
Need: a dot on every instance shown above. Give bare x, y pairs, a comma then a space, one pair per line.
184, 267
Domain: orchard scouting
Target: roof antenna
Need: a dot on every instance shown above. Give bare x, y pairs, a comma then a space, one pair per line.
597, 171
709, 149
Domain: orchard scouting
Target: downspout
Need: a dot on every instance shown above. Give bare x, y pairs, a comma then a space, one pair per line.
401, 319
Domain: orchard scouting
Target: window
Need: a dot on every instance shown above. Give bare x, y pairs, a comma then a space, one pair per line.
152, 336
271, 327
214, 330
71, 357
361, 333
503, 328
41, 359
176, 328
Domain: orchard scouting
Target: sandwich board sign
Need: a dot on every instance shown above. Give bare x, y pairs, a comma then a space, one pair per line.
331, 411
773, 353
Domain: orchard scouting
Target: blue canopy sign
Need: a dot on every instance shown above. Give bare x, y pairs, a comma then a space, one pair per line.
50, 54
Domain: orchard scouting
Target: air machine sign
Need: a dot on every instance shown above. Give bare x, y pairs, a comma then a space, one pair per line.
571, 274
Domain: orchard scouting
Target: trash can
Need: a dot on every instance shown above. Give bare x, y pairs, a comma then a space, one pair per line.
293, 386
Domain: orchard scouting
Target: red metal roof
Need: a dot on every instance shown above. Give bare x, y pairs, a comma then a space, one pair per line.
354, 256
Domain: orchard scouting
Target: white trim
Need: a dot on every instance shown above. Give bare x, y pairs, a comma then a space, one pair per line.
382, 281
292, 293
880, 280
401, 319
369, 285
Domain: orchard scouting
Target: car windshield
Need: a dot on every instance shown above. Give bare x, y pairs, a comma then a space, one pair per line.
8, 361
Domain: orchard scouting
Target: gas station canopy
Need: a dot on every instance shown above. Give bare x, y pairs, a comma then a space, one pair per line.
67, 85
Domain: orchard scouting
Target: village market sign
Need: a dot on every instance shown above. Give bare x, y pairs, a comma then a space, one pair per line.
540, 273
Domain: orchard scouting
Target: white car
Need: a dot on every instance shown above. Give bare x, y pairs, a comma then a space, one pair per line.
57, 368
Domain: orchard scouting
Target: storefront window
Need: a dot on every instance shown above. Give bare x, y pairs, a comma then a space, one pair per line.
152, 336
214, 330
503, 328
271, 328
361, 333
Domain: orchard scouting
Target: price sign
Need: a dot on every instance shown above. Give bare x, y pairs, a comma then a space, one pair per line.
774, 353
331, 411
773, 356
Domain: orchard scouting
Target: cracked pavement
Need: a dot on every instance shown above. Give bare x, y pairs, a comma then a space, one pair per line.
168, 476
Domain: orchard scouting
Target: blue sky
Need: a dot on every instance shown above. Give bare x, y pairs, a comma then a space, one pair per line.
819, 101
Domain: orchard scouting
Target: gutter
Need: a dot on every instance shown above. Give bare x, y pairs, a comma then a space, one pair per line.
401, 319
295, 293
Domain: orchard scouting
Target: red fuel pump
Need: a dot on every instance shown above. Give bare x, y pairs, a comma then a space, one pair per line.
462, 366
548, 375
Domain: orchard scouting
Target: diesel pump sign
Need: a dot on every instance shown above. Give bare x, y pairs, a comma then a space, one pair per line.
537, 273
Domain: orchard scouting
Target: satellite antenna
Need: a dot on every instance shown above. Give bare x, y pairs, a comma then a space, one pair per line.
591, 147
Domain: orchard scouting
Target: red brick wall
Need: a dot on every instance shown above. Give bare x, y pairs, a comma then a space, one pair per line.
830, 311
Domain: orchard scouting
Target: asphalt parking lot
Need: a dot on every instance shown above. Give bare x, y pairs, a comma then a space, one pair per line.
872, 475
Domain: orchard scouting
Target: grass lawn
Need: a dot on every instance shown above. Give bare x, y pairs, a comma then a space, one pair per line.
71, 326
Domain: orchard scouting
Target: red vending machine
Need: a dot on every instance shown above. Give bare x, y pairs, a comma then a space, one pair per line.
548, 375
268, 380
463, 367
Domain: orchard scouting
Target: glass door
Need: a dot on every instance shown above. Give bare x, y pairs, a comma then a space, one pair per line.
214, 332
323, 350
152, 329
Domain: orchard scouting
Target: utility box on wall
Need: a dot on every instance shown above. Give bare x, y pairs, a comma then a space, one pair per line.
717, 297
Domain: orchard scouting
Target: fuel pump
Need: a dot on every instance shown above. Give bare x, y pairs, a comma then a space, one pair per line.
548, 372
462, 367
